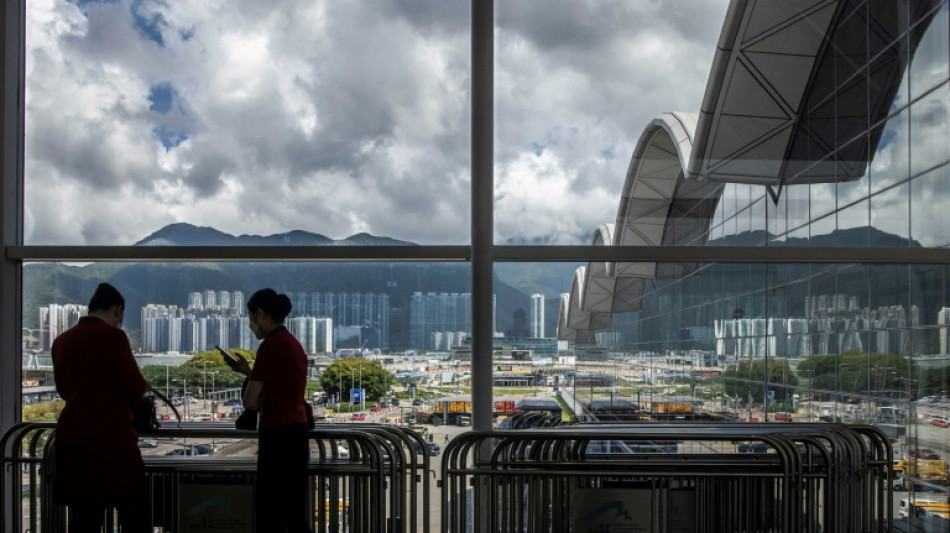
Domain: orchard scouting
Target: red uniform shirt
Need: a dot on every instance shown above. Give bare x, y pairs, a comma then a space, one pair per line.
98, 461
281, 365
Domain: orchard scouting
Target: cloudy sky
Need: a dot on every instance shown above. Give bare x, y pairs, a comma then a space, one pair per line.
340, 117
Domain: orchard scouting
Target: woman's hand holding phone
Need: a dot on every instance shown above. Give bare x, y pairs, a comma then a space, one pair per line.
237, 362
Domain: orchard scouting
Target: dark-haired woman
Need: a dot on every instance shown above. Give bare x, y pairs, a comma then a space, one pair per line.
98, 464
275, 387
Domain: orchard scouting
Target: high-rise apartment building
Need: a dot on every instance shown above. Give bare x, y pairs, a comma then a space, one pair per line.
57, 318
314, 334
346, 309
537, 316
195, 300
162, 328
224, 300
210, 299
211, 318
431, 312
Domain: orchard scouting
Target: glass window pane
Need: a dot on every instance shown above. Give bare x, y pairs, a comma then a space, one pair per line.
797, 198
821, 231
890, 214
931, 61
890, 164
929, 119
822, 200
757, 215
855, 219
843, 342
575, 86
175, 311
777, 218
885, 66
852, 155
927, 206
336, 118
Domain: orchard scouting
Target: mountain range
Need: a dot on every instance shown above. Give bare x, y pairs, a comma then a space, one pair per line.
170, 283
182, 234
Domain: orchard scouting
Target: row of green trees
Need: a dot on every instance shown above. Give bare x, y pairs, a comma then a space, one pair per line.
856, 372
852, 372
339, 377
748, 379
348, 372
197, 373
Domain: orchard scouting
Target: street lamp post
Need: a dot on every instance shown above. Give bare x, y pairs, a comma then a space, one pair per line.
590, 383
184, 395
205, 378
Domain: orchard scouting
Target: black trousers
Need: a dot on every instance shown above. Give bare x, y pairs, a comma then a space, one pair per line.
282, 456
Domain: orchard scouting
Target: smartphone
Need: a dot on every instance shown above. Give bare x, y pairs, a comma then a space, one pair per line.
226, 353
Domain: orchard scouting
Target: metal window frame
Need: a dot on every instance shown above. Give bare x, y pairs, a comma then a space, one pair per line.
482, 254
12, 34
467, 254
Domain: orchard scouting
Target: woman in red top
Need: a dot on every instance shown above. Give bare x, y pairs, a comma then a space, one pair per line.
275, 387
97, 459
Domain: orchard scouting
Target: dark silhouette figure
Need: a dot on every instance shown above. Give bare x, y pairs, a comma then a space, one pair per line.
275, 387
97, 460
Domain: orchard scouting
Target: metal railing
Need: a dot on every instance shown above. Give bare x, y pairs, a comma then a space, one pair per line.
363, 478
803, 477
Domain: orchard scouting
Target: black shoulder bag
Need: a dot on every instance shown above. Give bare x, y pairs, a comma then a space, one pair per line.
311, 421
248, 418
145, 412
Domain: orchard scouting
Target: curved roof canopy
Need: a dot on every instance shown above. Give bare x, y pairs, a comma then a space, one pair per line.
658, 206
790, 95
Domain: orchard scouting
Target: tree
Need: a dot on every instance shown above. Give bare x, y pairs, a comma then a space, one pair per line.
858, 372
376, 380
190, 371
745, 379
43, 411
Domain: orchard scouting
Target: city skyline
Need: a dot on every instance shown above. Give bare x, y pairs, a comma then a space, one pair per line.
832, 323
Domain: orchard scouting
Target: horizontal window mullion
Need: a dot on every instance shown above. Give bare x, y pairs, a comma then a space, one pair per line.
503, 254
722, 254
239, 253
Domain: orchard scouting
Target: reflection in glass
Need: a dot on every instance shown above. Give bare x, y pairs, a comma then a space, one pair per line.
890, 213
890, 164
932, 56
927, 204
929, 120
856, 219
840, 342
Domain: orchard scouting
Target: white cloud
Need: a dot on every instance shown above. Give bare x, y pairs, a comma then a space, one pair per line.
340, 117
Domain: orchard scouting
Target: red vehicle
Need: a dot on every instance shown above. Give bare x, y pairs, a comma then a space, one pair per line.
939, 421
783, 417
375, 408
357, 417
924, 453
